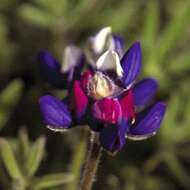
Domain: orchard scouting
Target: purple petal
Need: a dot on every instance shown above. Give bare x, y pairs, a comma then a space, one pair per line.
144, 91
127, 105
55, 113
131, 64
50, 69
107, 110
149, 122
80, 101
118, 45
112, 138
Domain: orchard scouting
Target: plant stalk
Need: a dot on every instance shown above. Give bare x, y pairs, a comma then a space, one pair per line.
91, 164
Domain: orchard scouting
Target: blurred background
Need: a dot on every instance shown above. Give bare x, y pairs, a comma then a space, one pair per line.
31, 156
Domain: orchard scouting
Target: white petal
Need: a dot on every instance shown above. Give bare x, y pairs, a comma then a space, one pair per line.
110, 61
71, 57
99, 40
140, 137
56, 129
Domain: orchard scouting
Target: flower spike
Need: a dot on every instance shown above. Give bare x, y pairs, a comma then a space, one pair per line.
105, 96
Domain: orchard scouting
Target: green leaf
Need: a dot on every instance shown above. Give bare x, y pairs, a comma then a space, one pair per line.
36, 16
170, 124
187, 111
9, 97
52, 180
35, 156
151, 23
151, 182
11, 94
56, 7
176, 169
180, 63
121, 16
175, 30
8, 48
9, 159
3, 118
24, 143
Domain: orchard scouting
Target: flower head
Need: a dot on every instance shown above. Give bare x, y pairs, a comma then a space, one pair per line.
106, 96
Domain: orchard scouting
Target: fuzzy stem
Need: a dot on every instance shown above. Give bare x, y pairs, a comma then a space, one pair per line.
18, 185
91, 163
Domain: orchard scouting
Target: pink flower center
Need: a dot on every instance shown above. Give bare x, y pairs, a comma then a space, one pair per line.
127, 106
107, 110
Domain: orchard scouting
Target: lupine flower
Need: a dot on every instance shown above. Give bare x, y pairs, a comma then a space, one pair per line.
107, 97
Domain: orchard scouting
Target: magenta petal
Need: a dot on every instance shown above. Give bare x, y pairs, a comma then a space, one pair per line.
144, 91
127, 105
131, 64
80, 100
107, 110
86, 76
55, 113
149, 122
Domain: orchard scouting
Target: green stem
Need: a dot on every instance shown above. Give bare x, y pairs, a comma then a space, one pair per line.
176, 169
3, 179
18, 185
91, 164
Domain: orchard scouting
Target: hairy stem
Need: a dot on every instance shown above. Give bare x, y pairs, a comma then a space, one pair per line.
18, 185
91, 163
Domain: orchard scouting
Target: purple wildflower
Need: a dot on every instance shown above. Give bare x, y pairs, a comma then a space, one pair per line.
106, 96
